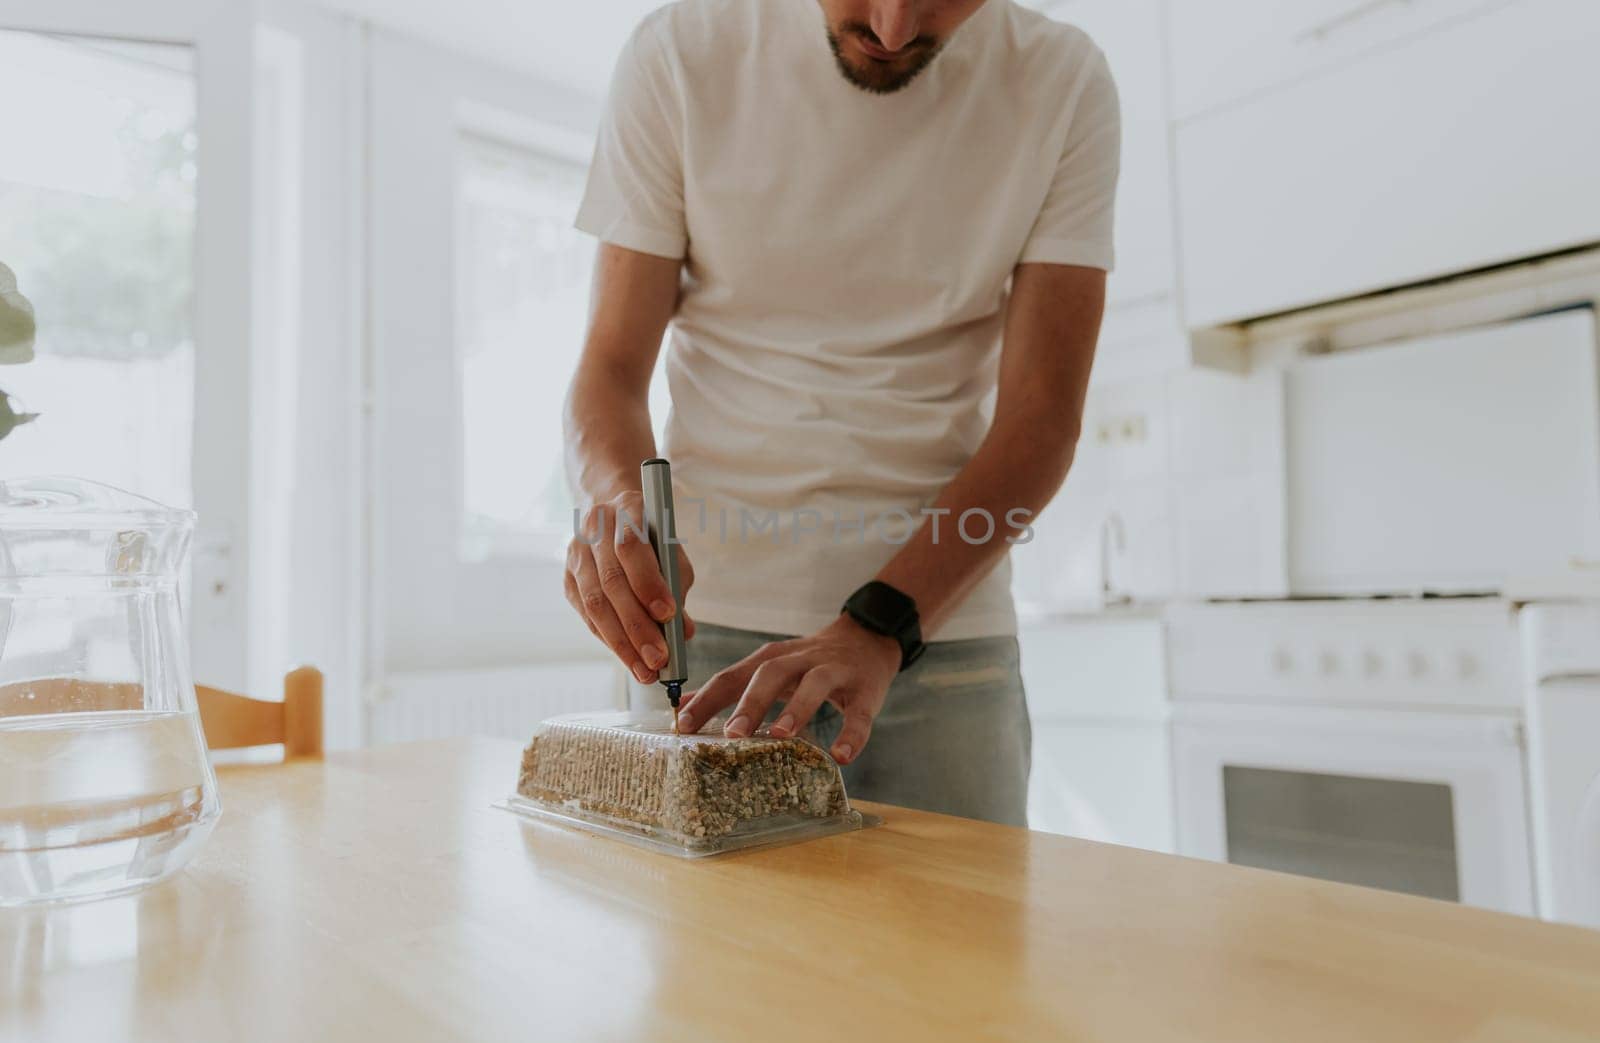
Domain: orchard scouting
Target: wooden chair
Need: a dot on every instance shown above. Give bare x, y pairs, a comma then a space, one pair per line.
229, 721
232, 721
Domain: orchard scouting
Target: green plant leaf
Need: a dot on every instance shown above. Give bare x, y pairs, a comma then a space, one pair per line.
10, 419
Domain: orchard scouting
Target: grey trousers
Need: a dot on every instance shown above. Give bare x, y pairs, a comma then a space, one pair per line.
953, 736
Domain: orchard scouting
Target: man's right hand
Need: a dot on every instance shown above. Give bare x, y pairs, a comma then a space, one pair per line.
615, 583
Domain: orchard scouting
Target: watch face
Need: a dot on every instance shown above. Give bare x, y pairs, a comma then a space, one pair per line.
881, 608
885, 610
885, 607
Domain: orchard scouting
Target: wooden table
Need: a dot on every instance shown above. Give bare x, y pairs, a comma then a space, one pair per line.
377, 896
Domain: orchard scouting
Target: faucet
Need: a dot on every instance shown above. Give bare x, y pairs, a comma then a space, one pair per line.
1113, 539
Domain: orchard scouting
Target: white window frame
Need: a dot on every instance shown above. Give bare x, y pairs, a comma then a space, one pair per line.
481, 126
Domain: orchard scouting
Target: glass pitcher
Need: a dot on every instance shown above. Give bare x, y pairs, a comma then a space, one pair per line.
104, 781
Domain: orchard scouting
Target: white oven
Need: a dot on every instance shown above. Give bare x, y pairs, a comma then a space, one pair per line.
1561, 645
1429, 804
1371, 742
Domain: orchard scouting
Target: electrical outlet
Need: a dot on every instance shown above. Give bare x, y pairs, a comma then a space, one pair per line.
1125, 430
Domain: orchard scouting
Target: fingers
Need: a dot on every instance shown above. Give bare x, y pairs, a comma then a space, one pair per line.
815, 688
587, 596
773, 680
643, 633
853, 736
638, 560
724, 689
615, 583
714, 696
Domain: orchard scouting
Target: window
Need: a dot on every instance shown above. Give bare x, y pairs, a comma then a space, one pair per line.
97, 213
522, 305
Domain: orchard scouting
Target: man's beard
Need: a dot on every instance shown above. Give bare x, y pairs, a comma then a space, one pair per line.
882, 78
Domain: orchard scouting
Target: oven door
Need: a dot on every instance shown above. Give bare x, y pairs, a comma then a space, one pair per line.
1431, 804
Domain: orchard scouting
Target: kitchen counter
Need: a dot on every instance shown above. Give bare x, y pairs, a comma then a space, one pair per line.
377, 896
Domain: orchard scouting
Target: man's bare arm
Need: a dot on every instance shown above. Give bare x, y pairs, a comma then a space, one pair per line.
1051, 330
607, 415
612, 577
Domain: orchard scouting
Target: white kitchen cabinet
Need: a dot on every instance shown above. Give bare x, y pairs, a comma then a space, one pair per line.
1107, 666
1226, 50
1101, 756
1104, 781
1464, 146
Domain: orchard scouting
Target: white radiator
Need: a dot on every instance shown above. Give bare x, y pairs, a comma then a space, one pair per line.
499, 702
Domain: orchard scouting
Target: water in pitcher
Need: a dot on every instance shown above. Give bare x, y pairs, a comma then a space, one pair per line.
93, 802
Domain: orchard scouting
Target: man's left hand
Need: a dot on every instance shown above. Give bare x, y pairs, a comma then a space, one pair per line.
843, 663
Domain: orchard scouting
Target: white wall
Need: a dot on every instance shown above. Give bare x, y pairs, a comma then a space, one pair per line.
571, 44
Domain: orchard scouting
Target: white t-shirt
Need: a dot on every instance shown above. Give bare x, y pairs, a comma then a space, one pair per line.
847, 255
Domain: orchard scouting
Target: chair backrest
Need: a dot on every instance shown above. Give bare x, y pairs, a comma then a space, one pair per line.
232, 721
229, 721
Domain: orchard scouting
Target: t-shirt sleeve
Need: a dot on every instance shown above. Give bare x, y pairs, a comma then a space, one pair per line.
1076, 222
634, 196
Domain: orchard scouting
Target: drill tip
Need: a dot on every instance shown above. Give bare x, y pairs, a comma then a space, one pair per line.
674, 696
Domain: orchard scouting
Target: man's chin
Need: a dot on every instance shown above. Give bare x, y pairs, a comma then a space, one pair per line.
880, 77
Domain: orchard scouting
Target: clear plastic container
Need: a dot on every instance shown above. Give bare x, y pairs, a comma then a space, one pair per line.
626, 775
104, 781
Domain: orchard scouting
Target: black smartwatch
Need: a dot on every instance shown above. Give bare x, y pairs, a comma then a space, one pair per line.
884, 610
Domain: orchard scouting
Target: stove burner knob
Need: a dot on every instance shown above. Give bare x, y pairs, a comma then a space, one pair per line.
1417, 664
1372, 664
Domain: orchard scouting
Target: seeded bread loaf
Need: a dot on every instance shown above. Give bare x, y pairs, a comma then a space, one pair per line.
698, 787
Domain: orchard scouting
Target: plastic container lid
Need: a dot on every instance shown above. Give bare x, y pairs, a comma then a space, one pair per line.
626, 775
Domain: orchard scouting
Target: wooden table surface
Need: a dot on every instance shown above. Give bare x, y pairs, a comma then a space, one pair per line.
377, 896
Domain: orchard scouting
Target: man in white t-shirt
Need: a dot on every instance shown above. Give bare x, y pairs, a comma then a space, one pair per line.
879, 232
